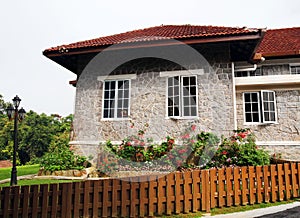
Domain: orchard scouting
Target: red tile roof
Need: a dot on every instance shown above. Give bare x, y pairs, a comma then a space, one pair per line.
158, 33
280, 42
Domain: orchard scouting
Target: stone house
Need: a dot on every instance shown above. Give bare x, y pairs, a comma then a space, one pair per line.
171, 76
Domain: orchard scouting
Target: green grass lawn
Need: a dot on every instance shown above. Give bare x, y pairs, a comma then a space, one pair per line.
5, 173
38, 182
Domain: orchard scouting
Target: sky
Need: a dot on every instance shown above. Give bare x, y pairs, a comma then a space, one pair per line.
29, 27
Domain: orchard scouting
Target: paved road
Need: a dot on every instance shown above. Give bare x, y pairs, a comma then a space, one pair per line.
291, 210
289, 213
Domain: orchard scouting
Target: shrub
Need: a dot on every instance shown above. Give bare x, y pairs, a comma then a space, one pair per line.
62, 158
239, 150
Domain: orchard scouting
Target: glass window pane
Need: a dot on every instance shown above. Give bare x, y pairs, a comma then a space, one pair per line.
254, 97
247, 107
176, 81
193, 81
106, 94
170, 111
248, 117
271, 96
170, 91
193, 90
247, 97
265, 96
185, 81
170, 81
255, 107
272, 116
272, 106
266, 116
105, 113
255, 117
186, 111
176, 111
193, 111
266, 106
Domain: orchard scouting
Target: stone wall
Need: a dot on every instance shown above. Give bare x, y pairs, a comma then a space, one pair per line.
148, 105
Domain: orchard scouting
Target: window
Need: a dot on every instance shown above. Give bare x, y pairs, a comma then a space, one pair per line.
116, 99
257, 72
260, 107
182, 96
295, 69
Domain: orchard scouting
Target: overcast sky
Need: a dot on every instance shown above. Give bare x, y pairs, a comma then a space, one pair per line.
30, 26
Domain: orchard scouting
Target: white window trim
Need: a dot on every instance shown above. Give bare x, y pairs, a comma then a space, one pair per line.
117, 77
129, 100
294, 65
244, 110
261, 110
262, 106
181, 73
180, 117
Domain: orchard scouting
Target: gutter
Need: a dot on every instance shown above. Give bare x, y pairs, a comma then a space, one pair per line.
234, 97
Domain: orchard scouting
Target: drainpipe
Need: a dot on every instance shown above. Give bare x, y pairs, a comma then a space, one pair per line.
233, 97
245, 69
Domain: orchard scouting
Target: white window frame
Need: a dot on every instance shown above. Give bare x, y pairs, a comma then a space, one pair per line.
297, 66
115, 117
261, 108
181, 105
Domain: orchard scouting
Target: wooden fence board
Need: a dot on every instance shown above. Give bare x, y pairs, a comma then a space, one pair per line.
280, 181
294, 180
178, 182
170, 178
266, 183
259, 185
54, 201
187, 191
6, 200
287, 176
274, 184
229, 186
152, 194
196, 191
245, 189
96, 203
237, 186
213, 187
25, 200
45, 198
221, 187
35, 197
16, 197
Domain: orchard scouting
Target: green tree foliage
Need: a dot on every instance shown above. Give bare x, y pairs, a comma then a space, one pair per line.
37, 133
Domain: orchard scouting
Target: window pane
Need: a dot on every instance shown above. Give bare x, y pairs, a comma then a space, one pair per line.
176, 111
271, 96
170, 91
193, 81
193, 111
186, 111
170, 111
176, 81
266, 115
254, 97
248, 117
105, 113
170, 81
272, 106
272, 116
255, 107
255, 117
185, 81
193, 90
266, 106
247, 97
265, 96
248, 107
121, 84
106, 94
186, 101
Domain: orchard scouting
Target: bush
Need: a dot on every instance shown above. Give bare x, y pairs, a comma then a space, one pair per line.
239, 150
62, 158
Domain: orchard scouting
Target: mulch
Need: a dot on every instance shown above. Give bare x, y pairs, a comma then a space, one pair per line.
5, 163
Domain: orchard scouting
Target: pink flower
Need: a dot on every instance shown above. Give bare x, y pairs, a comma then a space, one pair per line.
224, 152
193, 127
186, 136
243, 135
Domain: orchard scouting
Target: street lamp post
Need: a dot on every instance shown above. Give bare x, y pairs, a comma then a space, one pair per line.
14, 113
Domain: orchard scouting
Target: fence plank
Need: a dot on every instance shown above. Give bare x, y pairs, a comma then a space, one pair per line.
177, 192
114, 200
252, 190
124, 198
258, 175
35, 197
229, 187
170, 193
45, 198
221, 187
187, 191
133, 193
244, 186
152, 194
280, 182
237, 186
15, 190
266, 183
25, 199
294, 180
143, 195
287, 180
196, 191
76, 198
206, 191
54, 201
6, 200
96, 202
213, 187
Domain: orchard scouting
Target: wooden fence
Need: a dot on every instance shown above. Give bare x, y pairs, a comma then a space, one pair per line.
174, 193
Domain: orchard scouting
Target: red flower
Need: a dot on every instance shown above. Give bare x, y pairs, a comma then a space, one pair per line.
128, 143
193, 127
242, 135
182, 151
171, 141
224, 152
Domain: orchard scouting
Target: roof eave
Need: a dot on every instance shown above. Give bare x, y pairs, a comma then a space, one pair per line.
85, 50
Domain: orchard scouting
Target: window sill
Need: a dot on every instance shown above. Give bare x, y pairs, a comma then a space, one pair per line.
182, 118
260, 124
115, 119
